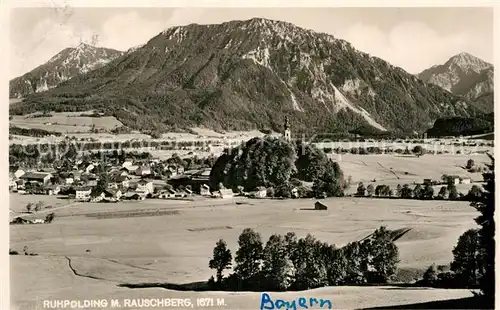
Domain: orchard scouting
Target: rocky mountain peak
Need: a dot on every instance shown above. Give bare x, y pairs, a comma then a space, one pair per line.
63, 66
467, 62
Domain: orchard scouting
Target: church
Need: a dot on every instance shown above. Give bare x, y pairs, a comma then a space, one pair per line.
287, 133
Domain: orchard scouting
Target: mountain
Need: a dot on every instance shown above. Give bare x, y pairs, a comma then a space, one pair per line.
63, 66
464, 75
250, 74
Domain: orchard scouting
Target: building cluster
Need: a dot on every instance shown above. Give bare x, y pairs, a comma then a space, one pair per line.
94, 181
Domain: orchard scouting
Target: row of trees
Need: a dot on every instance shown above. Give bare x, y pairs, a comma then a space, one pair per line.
30, 207
289, 263
418, 192
417, 150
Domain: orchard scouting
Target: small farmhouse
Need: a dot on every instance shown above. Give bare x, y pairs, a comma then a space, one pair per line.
143, 170
319, 206
465, 180
224, 193
205, 190
145, 186
260, 192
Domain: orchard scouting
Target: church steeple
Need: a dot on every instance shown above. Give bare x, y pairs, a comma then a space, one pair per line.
288, 133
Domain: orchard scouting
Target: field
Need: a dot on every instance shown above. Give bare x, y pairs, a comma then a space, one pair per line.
399, 169
96, 247
66, 122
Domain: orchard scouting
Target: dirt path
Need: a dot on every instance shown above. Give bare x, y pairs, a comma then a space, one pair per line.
390, 170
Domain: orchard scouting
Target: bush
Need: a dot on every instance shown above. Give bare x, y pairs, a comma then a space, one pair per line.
470, 164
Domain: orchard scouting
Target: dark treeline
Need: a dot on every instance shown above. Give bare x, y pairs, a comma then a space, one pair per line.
32, 132
289, 263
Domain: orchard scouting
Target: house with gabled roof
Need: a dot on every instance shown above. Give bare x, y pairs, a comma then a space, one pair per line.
145, 186
143, 170
39, 177
205, 190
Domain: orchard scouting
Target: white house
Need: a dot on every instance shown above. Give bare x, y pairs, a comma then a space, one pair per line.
19, 173
145, 186
143, 170
260, 192
69, 181
205, 190
127, 163
83, 193
465, 180
224, 193
89, 168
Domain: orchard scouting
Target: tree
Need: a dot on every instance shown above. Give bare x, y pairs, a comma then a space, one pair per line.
370, 190
270, 192
278, 269
418, 150
249, 256
379, 189
102, 184
361, 191
357, 263
428, 191
49, 218
383, 254
443, 193
311, 270
29, 207
39, 205
283, 190
486, 256
430, 275
453, 193
399, 189
418, 191
470, 164
466, 262
475, 193
221, 259
406, 192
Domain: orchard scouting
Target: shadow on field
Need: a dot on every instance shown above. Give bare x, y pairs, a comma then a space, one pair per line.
194, 286
461, 303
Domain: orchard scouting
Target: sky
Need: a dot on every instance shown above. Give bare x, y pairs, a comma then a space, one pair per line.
411, 38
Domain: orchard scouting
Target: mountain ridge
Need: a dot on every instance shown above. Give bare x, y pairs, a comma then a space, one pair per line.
249, 75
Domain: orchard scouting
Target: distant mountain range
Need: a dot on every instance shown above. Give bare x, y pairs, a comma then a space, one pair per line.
66, 64
464, 75
250, 74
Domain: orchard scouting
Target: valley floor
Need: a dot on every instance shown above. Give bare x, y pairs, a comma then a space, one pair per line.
90, 249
